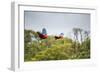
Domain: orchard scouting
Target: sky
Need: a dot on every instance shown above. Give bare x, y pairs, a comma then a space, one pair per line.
56, 23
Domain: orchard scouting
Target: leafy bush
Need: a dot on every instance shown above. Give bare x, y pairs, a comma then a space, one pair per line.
52, 49
60, 52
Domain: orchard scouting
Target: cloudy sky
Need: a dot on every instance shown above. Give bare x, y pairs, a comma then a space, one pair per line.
56, 23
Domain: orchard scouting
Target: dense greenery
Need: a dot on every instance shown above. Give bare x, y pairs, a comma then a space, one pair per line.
50, 49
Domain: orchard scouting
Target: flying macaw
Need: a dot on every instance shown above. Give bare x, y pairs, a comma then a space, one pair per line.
43, 35
60, 36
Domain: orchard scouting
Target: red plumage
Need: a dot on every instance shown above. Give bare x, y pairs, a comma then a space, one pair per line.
42, 36
58, 37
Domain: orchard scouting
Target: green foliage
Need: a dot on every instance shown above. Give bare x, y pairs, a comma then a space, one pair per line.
51, 49
85, 49
60, 52
27, 36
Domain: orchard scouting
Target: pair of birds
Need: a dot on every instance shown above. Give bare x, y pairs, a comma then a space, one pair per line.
44, 35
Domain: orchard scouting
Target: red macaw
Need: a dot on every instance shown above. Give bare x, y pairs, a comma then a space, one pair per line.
42, 36
59, 37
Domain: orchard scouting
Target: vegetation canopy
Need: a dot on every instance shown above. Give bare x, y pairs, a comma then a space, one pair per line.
40, 46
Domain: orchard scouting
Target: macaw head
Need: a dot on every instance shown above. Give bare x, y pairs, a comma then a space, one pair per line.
44, 31
61, 34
